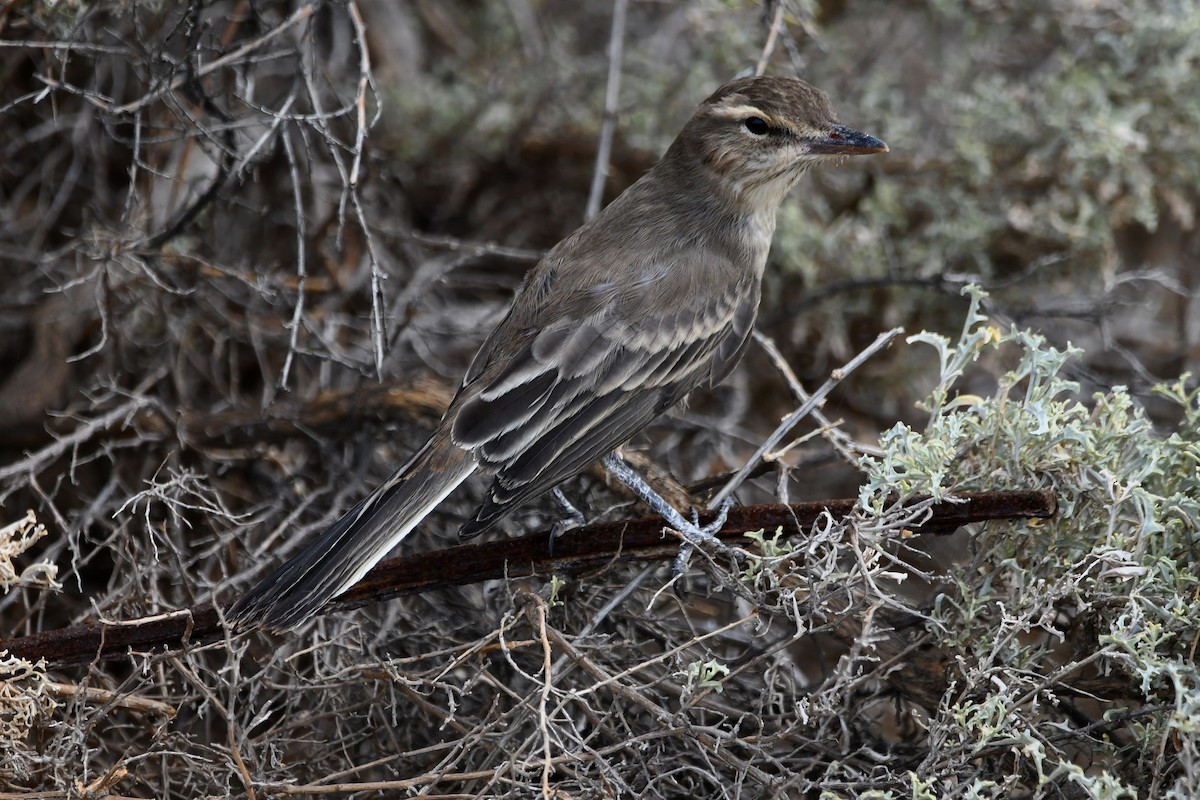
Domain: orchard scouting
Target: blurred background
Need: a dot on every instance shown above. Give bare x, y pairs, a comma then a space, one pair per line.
247, 249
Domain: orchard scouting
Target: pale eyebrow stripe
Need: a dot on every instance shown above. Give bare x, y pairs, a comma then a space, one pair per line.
744, 110
739, 111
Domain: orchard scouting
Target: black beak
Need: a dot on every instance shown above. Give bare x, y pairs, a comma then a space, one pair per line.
841, 141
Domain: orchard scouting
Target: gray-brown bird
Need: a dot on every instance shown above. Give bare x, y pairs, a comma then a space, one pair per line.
652, 298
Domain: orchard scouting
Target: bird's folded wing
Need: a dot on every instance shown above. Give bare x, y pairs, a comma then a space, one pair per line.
579, 389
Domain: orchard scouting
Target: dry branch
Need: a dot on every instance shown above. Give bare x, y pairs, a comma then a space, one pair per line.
585, 548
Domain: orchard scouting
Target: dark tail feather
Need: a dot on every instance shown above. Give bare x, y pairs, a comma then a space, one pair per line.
355, 543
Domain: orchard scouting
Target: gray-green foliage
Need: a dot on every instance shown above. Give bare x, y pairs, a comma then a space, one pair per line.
1024, 134
1065, 122
1092, 615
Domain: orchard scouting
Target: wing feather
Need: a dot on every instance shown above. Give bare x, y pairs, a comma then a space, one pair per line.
581, 385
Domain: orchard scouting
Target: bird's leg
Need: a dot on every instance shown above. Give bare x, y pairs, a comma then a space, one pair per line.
574, 518
692, 532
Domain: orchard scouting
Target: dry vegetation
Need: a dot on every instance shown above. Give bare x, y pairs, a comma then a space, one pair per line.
248, 247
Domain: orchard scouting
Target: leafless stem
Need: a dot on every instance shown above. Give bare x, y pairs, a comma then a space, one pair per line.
299, 15
772, 35
609, 122
790, 421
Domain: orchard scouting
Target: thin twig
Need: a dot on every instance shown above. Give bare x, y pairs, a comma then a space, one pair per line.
838, 439
544, 699
360, 96
609, 122
800, 413
301, 269
300, 14
772, 35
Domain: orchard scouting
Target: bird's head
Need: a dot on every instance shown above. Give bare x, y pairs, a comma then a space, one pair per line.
757, 135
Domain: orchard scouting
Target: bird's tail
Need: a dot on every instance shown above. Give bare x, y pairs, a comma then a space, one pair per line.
341, 555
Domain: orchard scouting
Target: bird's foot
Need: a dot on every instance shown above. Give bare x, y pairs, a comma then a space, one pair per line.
572, 517
693, 533
713, 527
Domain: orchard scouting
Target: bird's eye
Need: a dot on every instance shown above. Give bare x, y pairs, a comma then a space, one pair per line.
756, 125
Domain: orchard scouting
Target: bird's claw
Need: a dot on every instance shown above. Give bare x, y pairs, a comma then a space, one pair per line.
718, 522
573, 518
696, 535
680, 562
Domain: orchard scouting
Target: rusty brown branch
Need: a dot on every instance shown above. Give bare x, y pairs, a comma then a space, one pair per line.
584, 548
